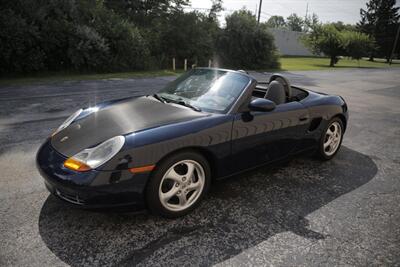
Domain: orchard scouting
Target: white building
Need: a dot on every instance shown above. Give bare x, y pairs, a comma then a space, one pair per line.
288, 43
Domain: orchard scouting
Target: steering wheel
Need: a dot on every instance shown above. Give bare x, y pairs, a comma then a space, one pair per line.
285, 82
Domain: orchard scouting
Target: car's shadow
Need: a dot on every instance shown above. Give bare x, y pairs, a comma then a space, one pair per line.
238, 214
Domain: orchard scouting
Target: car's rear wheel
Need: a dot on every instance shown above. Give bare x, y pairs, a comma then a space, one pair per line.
331, 139
178, 184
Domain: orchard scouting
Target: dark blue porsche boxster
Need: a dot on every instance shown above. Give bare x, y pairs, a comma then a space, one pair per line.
162, 151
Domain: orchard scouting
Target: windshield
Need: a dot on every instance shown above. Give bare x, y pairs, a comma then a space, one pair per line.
206, 89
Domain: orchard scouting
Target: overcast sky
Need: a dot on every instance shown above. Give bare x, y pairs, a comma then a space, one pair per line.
347, 11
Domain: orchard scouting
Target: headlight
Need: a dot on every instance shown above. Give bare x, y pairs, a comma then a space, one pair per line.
68, 121
91, 158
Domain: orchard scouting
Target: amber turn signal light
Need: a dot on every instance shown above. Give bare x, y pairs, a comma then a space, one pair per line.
142, 169
76, 165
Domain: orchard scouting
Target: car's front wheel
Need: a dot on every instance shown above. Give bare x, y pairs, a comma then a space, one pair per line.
331, 139
178, 184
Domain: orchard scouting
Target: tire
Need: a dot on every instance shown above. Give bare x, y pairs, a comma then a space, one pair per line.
325, 152
169, 185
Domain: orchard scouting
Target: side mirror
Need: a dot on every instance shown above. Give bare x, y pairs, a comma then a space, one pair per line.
261, 104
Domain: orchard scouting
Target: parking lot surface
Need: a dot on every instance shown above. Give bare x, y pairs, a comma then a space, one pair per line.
301, 212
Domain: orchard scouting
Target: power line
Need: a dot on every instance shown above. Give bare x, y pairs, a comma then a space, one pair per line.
207, 9
268, 14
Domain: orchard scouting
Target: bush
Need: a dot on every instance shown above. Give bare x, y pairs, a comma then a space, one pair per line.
128, 50
68, 35
18, 39
183, 35
88, 50
243, 44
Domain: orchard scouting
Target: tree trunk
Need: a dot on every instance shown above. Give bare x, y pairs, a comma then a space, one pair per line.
333, 61
371, 58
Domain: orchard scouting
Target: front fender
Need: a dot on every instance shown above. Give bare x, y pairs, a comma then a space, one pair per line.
148, 147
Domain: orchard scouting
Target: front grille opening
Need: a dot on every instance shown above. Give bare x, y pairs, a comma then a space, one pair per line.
72, 198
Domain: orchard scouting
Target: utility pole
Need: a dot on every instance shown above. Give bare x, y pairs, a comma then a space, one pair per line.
305, 19
259, 11
394, 45
306, 11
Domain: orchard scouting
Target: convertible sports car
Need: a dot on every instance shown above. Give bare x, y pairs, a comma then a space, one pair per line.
162, 151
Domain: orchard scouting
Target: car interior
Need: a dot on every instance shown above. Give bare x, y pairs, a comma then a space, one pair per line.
278, 90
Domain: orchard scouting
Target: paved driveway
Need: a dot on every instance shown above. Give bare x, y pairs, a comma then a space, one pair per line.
303, 212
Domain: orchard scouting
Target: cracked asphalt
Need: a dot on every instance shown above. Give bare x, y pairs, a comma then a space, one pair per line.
302, 212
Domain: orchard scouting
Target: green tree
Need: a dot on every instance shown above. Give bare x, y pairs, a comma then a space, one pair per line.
127, 46
186, 35
52, 25
276, 22
340, 26
244, 44
88, 50
295, 23
142, 13
380, 20
311, 22
326, 39
216, 7
67, 35
18, 39
356, 44
171, 32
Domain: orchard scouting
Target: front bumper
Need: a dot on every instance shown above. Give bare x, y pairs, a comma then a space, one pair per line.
91, 189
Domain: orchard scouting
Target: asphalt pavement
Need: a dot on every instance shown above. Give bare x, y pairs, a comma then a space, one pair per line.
299, 213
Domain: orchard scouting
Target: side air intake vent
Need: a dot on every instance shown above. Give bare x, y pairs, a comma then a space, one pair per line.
314, 124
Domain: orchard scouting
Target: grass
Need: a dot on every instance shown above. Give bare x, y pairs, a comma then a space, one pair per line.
288, 63
322, 63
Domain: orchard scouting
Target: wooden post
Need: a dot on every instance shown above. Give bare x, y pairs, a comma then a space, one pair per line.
209, 63
173, 64
185, 65
259, 12
394, 45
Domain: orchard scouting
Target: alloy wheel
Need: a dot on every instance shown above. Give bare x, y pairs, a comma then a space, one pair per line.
181, 185
332, 139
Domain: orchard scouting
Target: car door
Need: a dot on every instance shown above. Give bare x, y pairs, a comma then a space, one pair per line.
260, 137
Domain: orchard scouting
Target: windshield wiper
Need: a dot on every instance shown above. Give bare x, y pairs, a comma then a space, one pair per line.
182, 102
159, 98
178, 101
187, 104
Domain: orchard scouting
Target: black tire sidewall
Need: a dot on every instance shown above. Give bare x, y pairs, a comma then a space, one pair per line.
152, 198
321, 151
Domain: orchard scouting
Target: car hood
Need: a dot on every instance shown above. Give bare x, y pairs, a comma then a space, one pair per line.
118, 118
